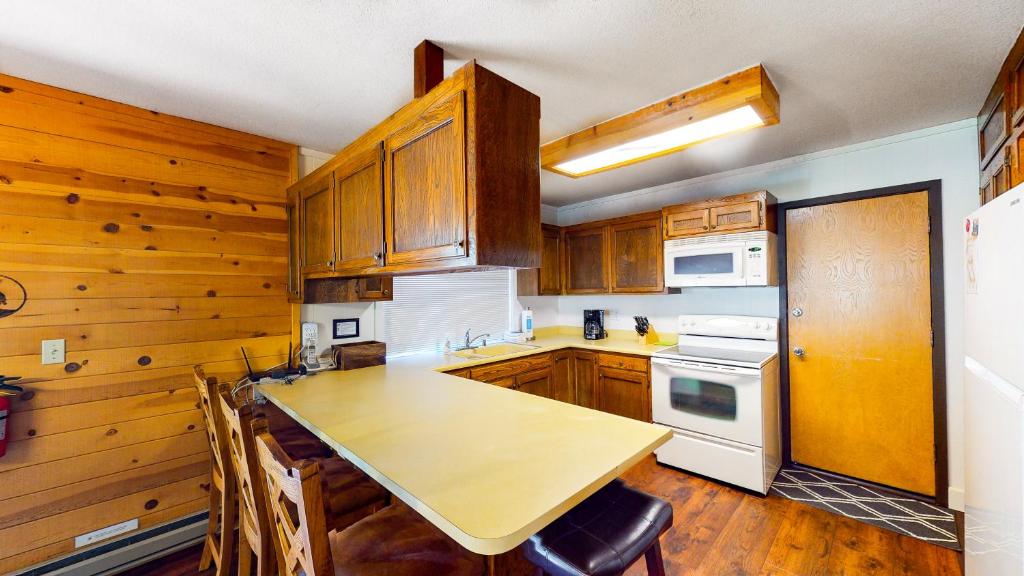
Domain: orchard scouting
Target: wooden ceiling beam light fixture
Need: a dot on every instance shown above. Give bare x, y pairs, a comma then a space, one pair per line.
736, 103
428, 67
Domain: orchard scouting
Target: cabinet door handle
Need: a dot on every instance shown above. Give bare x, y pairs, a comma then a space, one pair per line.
457, 244
378, 256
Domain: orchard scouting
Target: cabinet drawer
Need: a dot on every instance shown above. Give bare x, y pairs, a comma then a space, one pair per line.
634, 363
500, 370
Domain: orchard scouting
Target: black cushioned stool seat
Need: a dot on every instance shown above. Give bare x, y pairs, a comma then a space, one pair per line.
603, 535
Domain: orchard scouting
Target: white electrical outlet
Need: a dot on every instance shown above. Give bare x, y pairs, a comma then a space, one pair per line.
53, 351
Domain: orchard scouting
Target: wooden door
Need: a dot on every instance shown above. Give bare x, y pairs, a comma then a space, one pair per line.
294, 248
586, 260
318, 224
425, 186
551, 261
624, 392
359, 190
735, 217
686, 222
562, 387
585, 376
537, 382
636, 260
860, 358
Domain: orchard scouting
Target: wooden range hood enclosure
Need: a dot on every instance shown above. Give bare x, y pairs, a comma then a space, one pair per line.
450, 182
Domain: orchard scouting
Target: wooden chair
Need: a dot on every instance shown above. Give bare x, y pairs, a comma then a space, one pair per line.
219, 544
352, 495
394, 542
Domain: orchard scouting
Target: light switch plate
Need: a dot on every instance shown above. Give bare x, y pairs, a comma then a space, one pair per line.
53, 351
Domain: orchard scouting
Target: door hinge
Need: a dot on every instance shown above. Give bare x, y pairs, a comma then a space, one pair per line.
931, 337
381, 154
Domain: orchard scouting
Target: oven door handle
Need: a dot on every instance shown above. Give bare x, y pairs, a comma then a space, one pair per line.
701, 367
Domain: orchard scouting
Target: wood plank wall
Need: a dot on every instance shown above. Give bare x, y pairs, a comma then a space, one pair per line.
149, 243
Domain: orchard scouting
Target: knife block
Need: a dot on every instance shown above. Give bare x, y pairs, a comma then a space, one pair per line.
651, 337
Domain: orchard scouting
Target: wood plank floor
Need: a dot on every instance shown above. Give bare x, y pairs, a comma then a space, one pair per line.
720, 531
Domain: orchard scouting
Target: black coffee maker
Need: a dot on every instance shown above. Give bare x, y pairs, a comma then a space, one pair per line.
593, 325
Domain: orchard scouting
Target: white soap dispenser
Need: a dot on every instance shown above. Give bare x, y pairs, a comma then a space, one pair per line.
526, 323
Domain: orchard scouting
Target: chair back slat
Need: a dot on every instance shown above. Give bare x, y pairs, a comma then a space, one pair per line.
209, 392
240, 441
295, 502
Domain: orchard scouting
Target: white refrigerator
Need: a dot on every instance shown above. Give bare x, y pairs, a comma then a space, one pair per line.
994, 386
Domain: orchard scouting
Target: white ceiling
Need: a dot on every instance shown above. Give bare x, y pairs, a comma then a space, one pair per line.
319, 73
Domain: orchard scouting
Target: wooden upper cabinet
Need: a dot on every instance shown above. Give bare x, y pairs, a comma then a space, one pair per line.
425, 207
749, 212
294, 247
1016, 89
738, 216
547, 280
451, 181
317, 215
680, 221
1001, 127
359, 191
636, 249
550, 281
586, 260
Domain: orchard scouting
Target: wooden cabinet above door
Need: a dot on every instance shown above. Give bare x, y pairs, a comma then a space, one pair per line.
457, 186
359, 190
1001, 127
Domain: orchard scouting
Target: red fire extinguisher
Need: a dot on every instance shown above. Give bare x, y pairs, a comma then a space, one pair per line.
6, 391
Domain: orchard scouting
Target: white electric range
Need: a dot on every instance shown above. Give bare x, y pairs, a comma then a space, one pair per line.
718, 389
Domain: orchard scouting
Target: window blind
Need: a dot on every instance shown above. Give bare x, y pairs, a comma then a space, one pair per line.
428, 310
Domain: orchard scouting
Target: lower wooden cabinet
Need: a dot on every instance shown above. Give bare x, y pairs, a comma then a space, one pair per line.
624, 392
614, 383
537, 382
585, 376
562, 383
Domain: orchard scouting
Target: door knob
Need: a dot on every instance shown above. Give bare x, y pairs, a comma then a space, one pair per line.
798, 312
798, 351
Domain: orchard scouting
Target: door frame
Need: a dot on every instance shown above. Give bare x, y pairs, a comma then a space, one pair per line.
938, 325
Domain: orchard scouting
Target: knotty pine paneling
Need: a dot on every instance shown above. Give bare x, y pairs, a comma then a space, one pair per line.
149, 243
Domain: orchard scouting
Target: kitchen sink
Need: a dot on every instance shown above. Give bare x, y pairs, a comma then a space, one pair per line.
493, 350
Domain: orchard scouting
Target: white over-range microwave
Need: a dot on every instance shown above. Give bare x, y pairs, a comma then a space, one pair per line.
742, 259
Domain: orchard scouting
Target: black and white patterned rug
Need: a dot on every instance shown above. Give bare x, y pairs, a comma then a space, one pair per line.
903, 515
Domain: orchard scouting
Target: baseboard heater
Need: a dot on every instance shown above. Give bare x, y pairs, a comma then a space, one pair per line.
124, 553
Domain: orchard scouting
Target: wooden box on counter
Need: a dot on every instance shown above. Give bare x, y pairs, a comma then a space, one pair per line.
359, 354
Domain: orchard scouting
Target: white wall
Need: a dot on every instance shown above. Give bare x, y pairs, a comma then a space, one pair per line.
947, 153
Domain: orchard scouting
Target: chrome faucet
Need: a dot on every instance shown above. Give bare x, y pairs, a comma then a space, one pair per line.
470, 341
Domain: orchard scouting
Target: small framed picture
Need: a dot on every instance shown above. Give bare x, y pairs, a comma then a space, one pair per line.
346, 328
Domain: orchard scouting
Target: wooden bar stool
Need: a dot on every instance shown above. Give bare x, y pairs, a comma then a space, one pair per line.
603, 535
218, 547
351, 494
393, 542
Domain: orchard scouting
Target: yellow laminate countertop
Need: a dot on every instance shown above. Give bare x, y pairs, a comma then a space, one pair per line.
548, 339
487, 465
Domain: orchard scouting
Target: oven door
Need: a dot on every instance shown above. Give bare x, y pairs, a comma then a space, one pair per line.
721, 401
714, 264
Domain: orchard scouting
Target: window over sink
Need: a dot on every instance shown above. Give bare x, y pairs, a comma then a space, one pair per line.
430, 309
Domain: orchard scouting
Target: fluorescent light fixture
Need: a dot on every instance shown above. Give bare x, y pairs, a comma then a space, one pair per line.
739, 119
741, 101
